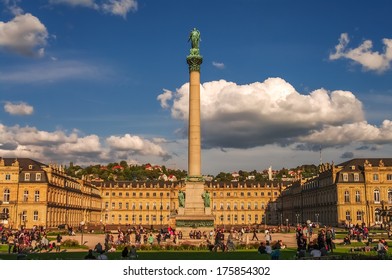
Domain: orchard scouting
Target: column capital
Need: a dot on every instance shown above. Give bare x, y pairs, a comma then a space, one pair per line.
194, 61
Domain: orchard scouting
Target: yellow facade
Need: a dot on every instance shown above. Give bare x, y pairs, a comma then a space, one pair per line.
35, 194
348, 193
139, 203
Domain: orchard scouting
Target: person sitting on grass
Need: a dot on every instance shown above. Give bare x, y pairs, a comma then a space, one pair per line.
262, 248
90, 255
132, 253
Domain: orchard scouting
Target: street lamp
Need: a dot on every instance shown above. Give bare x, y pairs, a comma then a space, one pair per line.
297, 215
161, 217
317, 216
81, 227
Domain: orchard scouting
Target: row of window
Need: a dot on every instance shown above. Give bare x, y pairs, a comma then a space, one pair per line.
23, 214
242, 206
7, 195
376, 196
215, 194
27, 177
154, 218
120, 206
120, 194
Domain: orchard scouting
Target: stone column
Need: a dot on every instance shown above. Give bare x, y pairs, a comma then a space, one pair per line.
194, 61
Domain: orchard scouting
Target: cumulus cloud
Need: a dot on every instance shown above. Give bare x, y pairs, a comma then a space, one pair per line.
114, 7
363, 54
24, 34
136, 144
344, 134
18, 108
61, 146
218, 65
246, 116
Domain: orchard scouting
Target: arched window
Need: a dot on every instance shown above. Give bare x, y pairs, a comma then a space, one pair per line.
346, 196
6, 195
376, 195
390, 196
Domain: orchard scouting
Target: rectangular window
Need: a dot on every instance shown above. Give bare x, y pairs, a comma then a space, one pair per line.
389, 177
113, 205
345, 177
25, 196
106, 205
38, 176
24, 216
127, 205
375, 177
120, 205
36, 196
7, 177
35, 216
27, 177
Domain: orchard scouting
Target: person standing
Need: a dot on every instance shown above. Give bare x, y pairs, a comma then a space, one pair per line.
11, 242
255, 235
58, 242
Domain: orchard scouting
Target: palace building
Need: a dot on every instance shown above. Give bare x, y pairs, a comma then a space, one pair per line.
353, 192
36, 194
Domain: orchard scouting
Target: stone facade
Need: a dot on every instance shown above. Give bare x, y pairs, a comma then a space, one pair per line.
33, 193
350, 192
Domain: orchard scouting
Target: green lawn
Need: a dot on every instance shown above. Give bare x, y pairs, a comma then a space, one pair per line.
341, 252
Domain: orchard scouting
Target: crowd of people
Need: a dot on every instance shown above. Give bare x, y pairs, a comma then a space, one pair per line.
29, 240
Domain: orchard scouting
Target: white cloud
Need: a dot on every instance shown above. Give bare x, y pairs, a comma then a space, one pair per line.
218, 65
244, 116
345, 134
24, 34
135, 144
164, 98
12, 6
364, 55
114, 7
83, 3
51, 71
61, 146
18, 108
120, 7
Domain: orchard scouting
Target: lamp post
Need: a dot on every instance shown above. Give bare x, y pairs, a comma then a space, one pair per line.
297, 215
161, 208
81, 228
317, 215
265, 221
287, 225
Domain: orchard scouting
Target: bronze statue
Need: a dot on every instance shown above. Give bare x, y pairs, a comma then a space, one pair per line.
181, 199
206, 197
194, 37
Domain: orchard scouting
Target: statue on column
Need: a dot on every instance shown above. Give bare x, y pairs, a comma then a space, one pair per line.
181, 199
206, 197
194, 37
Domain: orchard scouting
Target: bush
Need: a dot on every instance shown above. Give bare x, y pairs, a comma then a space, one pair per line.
70, 243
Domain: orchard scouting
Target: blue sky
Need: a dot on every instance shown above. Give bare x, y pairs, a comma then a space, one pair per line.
97, 81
